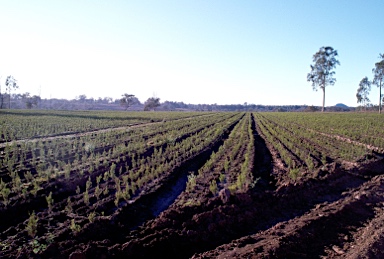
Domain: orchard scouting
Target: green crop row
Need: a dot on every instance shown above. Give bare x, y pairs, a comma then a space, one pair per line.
23, 124
231, 167
58, 158
366, 128
85, 177
302, 147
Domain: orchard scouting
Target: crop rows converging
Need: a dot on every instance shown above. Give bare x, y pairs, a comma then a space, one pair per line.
15, 125
302, 144
76, 179
169, 179
231, 167
365, 128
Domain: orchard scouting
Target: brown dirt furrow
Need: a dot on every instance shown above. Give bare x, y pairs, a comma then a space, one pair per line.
263, 158
180, 231
124, 220
367, 241
276, 164
320, 232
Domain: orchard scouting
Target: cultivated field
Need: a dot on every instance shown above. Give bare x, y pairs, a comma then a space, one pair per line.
187, 184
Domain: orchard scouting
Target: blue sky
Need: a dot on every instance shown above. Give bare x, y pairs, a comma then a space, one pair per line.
218, 51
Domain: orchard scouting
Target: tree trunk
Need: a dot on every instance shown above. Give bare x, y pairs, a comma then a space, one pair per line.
322, 109
380, 98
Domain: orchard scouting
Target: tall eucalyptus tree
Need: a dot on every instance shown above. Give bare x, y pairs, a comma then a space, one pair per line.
322, 72
378, 77
10, 83
363, 92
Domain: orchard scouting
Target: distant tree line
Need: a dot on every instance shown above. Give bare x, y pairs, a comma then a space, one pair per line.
18, 102
321, 75
130, 102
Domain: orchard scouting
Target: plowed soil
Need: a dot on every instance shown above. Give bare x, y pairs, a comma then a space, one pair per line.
335, 212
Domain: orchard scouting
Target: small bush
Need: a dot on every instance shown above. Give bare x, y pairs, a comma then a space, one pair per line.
32, 225
68, 208
191, 183
92, 216
50, 201
294, 173
213, 187
74, 227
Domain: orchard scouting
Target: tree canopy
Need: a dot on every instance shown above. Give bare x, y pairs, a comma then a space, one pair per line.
128, 100
30, 101
10, 83
363, 92
378, 77
151, 103
322, 73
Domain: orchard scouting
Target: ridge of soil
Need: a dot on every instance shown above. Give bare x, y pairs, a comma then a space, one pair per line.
125, 219
336, 211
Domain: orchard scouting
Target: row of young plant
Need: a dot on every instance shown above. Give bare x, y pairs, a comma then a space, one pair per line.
231, 167
62, 148
366, 128
123, 179
302, 149
148, 173
296, 150
330, 147
23, 124
41, 154
27, 167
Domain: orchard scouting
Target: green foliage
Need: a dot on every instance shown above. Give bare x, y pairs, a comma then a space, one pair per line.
68, 207
75, 227
50, 201
226, 165
98, 192
309, 163
322, 72
36, 188
222, 178
86, 197
213, 187
92, 216
78, 190
5, 192
378, 77
32, 225
151, 103
191, 183
363, 91
294, 173
323, 158
118, 196
37, 247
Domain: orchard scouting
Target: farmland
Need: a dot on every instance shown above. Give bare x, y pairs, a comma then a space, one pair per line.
191, 184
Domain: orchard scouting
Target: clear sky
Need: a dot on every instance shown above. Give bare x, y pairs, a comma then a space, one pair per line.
195, 51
